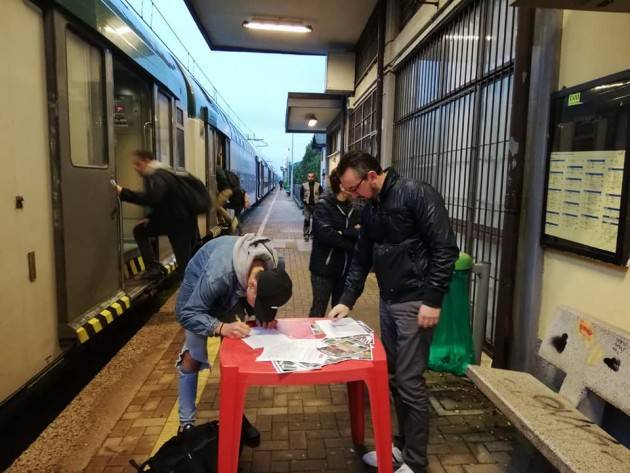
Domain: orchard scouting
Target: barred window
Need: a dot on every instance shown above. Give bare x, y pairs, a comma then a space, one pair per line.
452, 122
363, 125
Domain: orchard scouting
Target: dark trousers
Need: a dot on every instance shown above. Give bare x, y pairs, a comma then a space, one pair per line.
407, 347
308, 214
324, 289
182, 234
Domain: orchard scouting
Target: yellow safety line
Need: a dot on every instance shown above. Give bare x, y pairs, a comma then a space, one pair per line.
172, 421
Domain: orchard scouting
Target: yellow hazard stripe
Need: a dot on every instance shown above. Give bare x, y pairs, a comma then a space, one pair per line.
103, 318
108, 316
96, 324
82, 334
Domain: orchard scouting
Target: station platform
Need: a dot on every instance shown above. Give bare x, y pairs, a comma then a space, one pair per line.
130, 408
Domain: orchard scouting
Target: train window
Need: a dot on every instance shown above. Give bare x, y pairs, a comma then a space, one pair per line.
164, 128
86, 103
180, 158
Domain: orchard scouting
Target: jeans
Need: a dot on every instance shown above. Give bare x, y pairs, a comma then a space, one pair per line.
196, 346
323, 289
183, 236
407, 347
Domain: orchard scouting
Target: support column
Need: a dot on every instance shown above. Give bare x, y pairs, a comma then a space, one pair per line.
529, 265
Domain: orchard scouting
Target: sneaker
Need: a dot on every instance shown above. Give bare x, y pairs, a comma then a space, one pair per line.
184, 428
370, 457
404, 469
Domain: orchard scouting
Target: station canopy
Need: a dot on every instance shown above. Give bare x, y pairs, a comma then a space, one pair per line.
312, 112
325, 25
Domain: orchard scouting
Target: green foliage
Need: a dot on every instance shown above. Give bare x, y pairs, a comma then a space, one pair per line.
311, 162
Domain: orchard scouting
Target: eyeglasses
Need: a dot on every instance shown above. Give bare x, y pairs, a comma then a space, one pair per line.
355, 188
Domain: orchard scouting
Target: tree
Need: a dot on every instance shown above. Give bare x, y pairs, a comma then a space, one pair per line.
311, 162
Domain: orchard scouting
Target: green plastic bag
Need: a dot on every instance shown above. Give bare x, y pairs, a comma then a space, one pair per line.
452, 347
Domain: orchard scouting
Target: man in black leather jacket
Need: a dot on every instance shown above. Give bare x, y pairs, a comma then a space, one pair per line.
407, 238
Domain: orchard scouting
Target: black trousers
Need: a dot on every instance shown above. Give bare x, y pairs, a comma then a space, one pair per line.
308, 215
407, 347
325, 289
182, 234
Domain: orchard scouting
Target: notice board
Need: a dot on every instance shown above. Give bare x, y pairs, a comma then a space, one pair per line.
586, 192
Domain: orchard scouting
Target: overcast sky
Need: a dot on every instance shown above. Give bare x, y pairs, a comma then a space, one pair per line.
254, 84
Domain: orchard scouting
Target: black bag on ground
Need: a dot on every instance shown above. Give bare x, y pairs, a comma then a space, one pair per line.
194, 194
193, 451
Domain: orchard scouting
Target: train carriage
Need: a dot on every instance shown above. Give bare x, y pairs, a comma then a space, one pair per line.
89, 82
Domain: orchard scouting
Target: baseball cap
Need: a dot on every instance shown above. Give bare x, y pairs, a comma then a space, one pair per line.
274, 290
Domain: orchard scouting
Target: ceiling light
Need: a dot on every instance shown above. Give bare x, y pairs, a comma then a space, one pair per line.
311, 120
277, 25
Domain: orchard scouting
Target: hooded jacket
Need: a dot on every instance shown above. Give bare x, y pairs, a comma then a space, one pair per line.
406, 236
334, 236
215, 281
160, 194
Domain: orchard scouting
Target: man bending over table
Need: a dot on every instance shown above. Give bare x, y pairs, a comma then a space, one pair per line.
228, 276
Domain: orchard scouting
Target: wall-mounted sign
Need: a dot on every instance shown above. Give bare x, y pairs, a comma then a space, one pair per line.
586, 195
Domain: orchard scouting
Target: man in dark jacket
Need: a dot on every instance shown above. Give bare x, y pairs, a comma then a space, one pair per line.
407, 238
335, 231
169, 214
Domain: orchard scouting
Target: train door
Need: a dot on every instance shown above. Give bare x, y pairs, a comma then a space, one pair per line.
258, 177
133, 129
164, 119
216, 157
90, 235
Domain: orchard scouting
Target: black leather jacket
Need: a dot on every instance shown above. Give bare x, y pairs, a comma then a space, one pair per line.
407, 237
334, 236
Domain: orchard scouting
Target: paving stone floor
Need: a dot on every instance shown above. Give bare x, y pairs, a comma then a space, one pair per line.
306, 429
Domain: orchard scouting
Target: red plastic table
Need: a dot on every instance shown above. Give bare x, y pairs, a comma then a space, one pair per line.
239, 370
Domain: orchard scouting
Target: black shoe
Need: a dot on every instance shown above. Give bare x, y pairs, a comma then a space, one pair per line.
250, 435
154, 273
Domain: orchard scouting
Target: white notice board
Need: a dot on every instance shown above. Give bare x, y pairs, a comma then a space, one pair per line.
584, 197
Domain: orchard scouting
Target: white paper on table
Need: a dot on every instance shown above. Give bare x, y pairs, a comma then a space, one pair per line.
337, 328
297, 350
262, 338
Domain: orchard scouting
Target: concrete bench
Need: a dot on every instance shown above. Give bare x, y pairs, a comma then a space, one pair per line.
595, 357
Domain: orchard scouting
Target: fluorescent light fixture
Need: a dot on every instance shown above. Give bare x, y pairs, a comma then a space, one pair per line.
311, 120
277, 25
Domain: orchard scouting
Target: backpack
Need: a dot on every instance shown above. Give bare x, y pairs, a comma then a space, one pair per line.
193, 451
194, 194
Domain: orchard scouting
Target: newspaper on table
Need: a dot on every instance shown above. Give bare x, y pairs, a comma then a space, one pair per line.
337, 328
346, 339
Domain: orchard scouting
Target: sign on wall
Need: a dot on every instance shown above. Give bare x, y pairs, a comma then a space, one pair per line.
587, 170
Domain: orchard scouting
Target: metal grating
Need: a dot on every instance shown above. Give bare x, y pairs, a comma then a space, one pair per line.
366, 48
362, 128
453, 105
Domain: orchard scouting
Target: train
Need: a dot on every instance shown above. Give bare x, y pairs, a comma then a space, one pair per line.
86, 82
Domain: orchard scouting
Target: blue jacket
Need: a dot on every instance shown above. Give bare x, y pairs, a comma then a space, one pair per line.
216, 280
